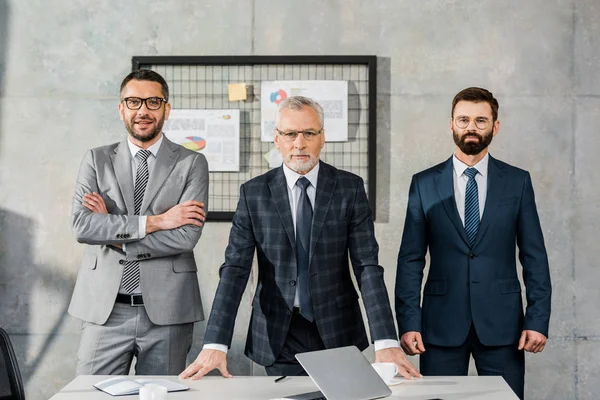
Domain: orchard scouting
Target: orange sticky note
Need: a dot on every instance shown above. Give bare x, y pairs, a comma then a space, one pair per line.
237, 91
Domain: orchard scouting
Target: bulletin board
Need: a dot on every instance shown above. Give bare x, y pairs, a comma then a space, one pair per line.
201, 82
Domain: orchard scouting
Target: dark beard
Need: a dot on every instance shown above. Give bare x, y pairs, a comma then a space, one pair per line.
153, 134
473, 148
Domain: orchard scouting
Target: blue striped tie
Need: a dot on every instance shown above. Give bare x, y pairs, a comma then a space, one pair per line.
304, 216
471, 206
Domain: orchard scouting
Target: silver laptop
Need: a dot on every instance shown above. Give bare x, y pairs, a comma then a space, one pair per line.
341, 374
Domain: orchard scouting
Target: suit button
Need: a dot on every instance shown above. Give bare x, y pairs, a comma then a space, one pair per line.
147, 255
122, 262
292, 283
127, 235
288, 312
471, 256
118, 236
140, 255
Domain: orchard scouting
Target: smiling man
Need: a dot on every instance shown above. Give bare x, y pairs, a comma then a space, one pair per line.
303, 220
471, 212
139, 207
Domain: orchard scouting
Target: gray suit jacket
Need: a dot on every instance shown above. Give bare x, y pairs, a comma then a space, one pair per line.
167, 267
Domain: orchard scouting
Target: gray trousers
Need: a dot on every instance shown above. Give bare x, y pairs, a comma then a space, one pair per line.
109, 349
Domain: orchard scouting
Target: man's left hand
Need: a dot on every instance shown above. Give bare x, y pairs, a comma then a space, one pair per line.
396, 356
532, 341
95, 203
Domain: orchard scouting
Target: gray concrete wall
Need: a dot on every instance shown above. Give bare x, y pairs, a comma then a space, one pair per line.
61, 63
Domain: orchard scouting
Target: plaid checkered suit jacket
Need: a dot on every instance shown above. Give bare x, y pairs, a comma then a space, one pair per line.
342, 226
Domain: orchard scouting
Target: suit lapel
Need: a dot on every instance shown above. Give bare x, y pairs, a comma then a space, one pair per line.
167, 156
121, 161
325, 188
279, 195
445, 187
495, 187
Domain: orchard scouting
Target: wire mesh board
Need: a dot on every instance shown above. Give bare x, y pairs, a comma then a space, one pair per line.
202, 83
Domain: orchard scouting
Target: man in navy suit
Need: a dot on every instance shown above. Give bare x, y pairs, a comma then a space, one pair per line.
303, 220
471, 212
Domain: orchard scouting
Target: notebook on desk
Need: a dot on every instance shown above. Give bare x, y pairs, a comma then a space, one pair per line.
122, 385
341, 374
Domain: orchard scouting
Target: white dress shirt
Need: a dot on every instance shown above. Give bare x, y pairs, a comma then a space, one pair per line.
134, 165
460, 184
294, 191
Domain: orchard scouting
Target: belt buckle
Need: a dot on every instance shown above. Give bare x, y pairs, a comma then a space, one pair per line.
132, 301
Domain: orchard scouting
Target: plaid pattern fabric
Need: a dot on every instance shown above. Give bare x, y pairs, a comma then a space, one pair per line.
342, 229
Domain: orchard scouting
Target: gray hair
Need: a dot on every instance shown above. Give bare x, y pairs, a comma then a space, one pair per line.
296, 103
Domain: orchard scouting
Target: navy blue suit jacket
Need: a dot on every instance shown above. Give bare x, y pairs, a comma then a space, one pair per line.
476, 284
342, 228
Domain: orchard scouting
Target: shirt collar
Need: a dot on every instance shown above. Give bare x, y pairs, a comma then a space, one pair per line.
481, 166
153, 149
292, 176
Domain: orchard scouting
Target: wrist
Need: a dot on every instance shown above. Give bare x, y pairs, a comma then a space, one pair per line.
153, 223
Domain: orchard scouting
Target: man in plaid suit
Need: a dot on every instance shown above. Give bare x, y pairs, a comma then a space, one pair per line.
303, 219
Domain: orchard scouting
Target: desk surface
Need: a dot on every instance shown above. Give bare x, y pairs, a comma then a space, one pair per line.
261, 387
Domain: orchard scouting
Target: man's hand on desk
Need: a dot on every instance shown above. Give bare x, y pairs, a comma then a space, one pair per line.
396, 356
189, 212
207, 360
94, 202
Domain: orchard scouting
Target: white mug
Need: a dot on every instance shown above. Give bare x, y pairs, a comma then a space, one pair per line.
386, 370
153, 391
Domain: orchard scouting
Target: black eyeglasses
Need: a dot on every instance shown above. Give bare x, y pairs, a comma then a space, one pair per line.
293, 135
152, 103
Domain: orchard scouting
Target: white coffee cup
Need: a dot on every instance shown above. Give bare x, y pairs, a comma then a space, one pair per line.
153, 391
386, 370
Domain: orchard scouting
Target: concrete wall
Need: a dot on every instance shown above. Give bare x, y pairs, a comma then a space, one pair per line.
61, 63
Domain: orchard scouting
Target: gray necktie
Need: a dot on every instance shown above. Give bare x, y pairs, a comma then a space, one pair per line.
304, 216
131, 272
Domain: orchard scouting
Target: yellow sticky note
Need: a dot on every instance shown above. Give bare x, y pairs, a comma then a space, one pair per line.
237, 91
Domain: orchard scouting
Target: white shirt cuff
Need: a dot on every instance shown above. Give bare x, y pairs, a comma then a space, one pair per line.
215, 346
385, 344
142, 227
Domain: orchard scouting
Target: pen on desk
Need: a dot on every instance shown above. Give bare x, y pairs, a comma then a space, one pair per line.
280, 378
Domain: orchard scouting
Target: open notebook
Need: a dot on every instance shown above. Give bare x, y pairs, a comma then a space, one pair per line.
122, 385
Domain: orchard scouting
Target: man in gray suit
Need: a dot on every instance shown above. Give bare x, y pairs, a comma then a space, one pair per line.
305, 220
138, 207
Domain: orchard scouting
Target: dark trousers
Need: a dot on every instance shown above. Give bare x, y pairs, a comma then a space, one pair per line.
302, 337
505, 361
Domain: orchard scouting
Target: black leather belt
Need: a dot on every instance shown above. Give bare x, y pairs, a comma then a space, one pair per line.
134, 300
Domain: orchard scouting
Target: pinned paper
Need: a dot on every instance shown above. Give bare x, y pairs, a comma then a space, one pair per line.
237, 91
273, 157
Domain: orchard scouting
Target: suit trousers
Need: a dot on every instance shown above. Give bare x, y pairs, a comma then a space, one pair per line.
302, 337
505, 361
109, 349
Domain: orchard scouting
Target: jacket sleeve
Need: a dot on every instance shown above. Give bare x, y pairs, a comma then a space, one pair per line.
533, 257
411, 262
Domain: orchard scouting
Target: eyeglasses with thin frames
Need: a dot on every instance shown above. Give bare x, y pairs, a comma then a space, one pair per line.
463, 121
152, 103
290, 136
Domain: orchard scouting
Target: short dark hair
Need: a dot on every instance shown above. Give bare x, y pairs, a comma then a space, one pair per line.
476, 95
146, 75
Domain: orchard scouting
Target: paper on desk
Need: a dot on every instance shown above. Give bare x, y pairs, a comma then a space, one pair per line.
237, 91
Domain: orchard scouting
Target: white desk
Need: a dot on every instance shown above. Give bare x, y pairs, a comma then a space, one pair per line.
260, 387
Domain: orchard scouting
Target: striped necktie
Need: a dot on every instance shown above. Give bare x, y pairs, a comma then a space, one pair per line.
471, 206
131, 272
